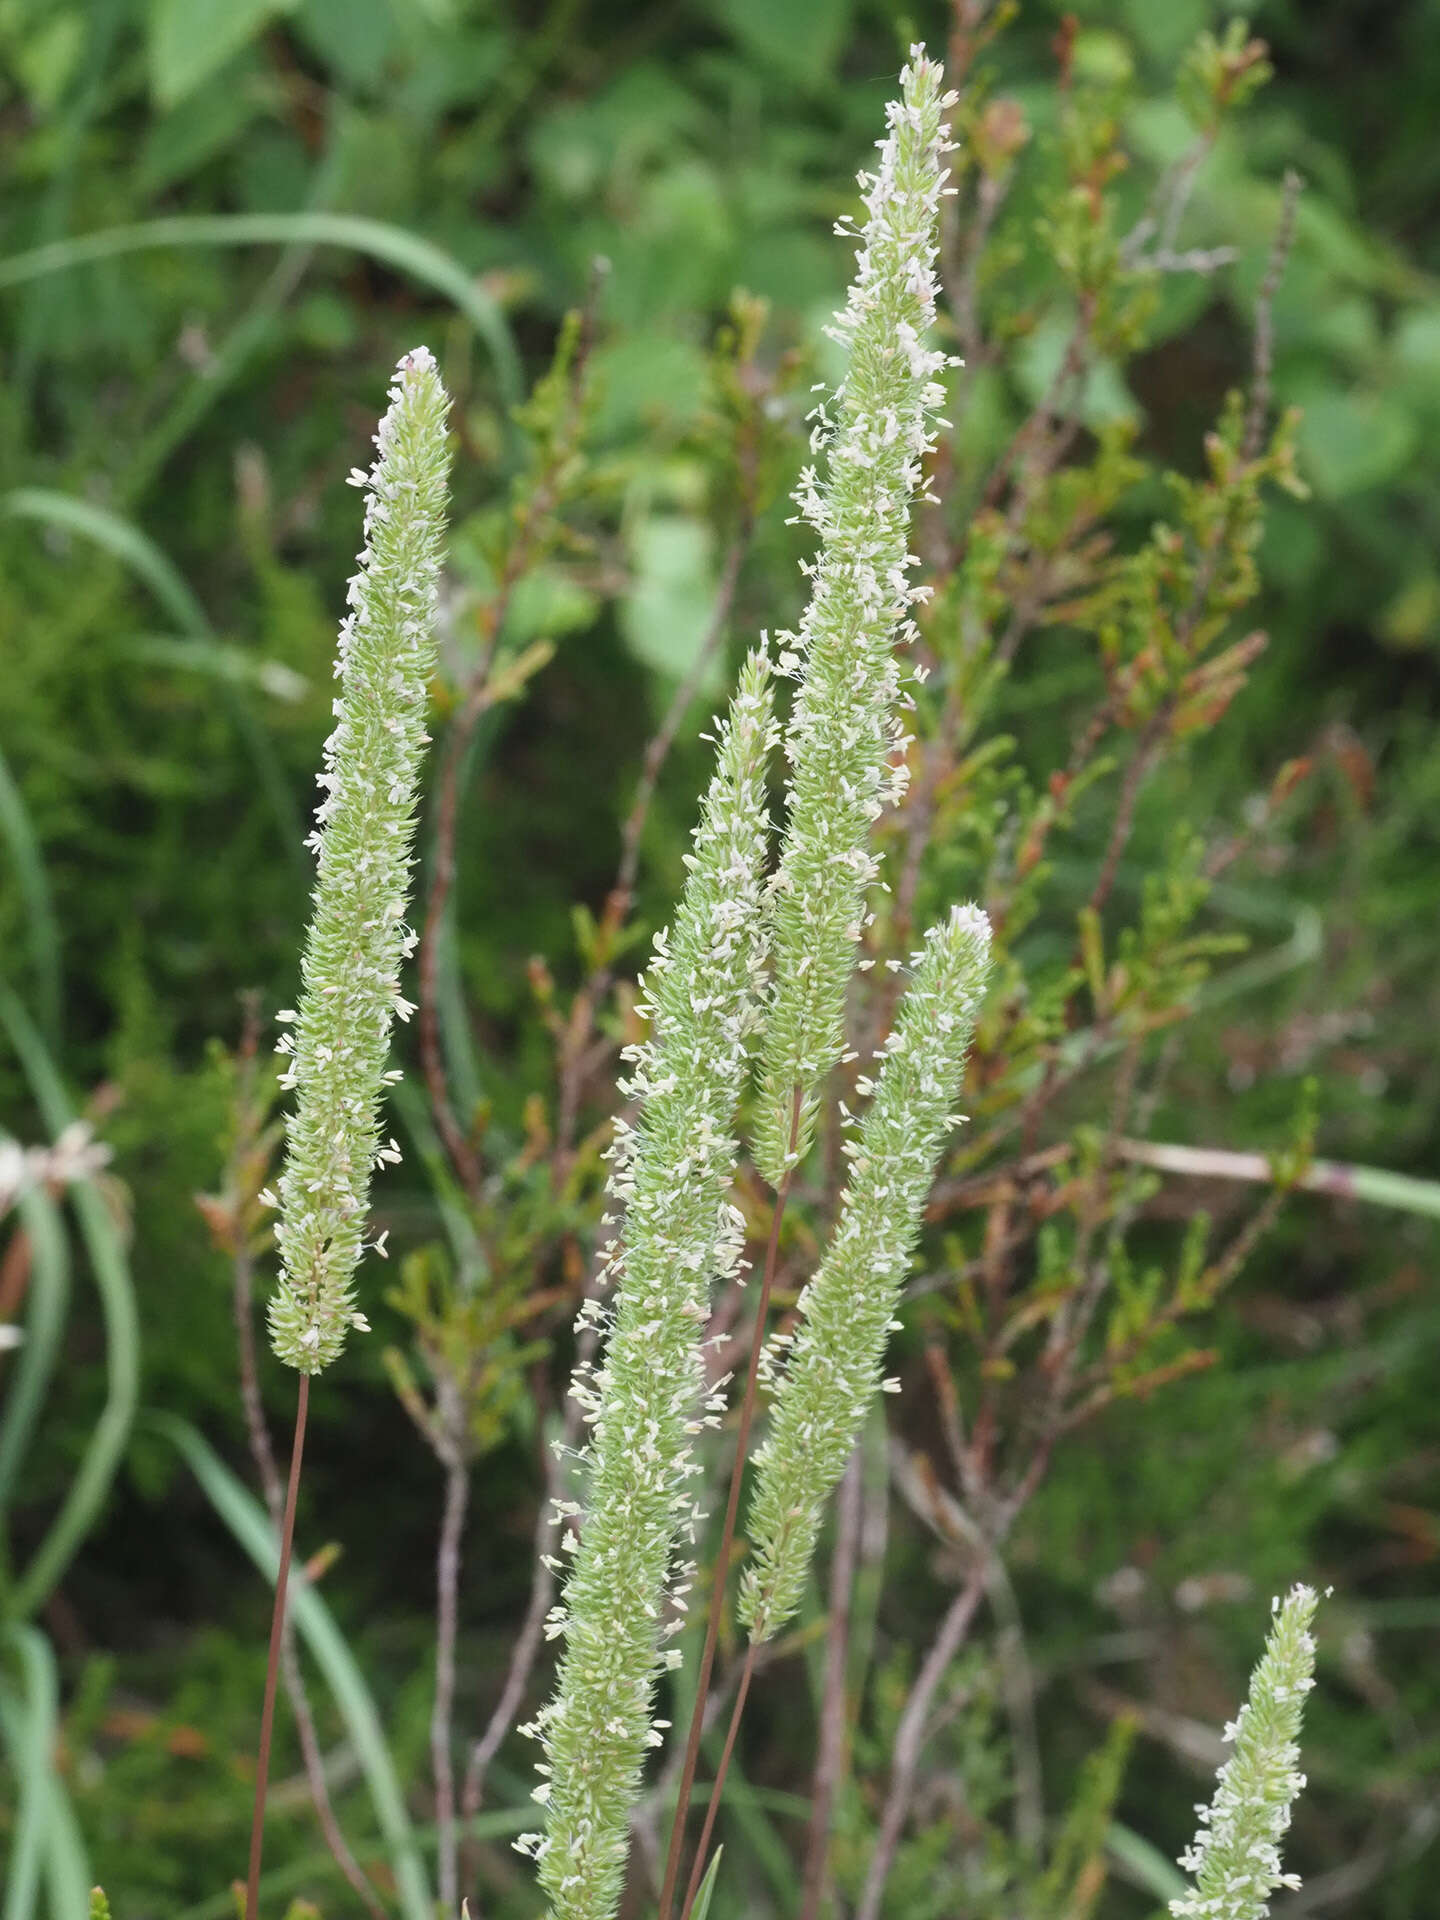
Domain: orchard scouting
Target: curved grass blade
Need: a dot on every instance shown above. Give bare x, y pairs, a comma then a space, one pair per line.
1142, 1863
136, 550
46, 1837
48, 1295
250, 1525
222, 660
408, 253
111, 1269
42, 929
120, 537
302, 1876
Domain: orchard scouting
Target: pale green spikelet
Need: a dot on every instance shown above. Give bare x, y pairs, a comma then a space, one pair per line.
673, 1174
1235, 1857
843, 732
357, 939
99, 1905
847, 1311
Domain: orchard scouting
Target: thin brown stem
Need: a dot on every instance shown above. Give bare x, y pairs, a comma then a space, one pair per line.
1264, 350
727, 1542
531, 1637
262, 1452
272, 1665
532, 520
442, 1715
910, 1738
830, 1757
575, 1049
742, 1694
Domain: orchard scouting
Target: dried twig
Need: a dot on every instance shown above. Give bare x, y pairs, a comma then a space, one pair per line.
830, 1753
910, 1738
450, 1420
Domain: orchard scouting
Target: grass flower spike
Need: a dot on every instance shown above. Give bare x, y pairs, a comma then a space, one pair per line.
673, 1173
1236, 1855
843, 727
847, 1311
357, 938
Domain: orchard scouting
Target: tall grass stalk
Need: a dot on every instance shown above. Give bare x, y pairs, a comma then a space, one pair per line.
358, 938
844, 729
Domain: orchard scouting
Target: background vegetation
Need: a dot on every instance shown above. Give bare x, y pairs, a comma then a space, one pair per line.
175, 426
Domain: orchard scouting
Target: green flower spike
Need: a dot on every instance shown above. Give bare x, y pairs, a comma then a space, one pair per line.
847, 1312
1236, 1854
672, 1173
843, 735
350, 992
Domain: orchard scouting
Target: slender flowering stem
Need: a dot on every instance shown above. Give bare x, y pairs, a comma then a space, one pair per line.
358, 937
272, 1665
847, 1311
673, 1173
843, 730
722, 1558
1236, 1854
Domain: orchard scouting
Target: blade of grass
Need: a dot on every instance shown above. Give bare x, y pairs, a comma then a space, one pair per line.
707, 1888
49, 1293
120, 537
306, 1874
749, 1809
250, 1525
42, 929
408, 253
1142, 1864
137, 551
46, 1837
221, 660
106, 1445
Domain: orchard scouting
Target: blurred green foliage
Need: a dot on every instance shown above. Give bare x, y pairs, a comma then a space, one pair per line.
175, 425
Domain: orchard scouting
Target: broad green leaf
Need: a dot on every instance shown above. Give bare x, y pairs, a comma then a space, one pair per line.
671, 603
191, 39
803, 41
1351, 441
1104, 396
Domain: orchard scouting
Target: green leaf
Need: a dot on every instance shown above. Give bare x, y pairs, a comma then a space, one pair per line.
42, 928
86, 1494
45, 1836
49, 1295
707, 1888
1352, 441
803, 42
406, 252
120, 537
191, 39
1142, 1864
668, 611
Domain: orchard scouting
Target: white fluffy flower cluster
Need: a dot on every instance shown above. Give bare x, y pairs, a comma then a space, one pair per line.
672, 1172
1235, 1857
844, 734
847, 1311
339, 1039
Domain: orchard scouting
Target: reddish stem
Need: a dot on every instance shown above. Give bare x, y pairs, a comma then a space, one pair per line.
747, 1673
272, 1665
